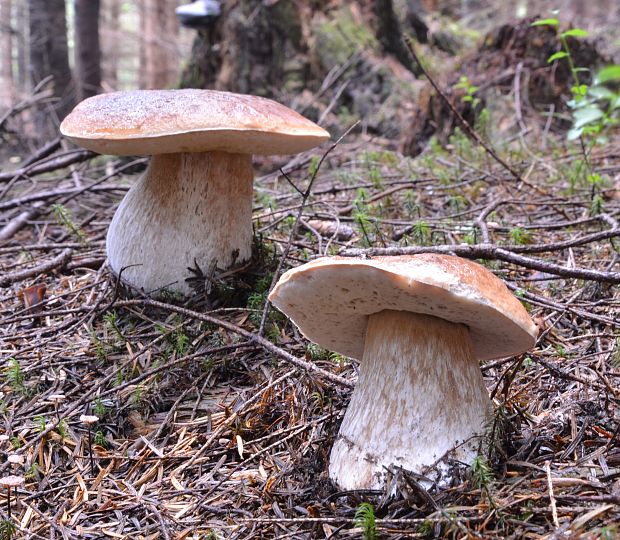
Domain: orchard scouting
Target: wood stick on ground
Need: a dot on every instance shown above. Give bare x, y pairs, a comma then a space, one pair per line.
491, 252
57, 262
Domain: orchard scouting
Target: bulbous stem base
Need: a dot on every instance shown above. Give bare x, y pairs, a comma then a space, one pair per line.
188, 209
419, 395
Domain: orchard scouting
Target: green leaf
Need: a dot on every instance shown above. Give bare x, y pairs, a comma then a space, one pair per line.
546, 22
574, 32
574, 134
609, 73
557, 56
600, 92
587, 115
579, 90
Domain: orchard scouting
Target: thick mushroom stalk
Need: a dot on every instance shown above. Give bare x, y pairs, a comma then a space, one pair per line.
420, 394
188, 209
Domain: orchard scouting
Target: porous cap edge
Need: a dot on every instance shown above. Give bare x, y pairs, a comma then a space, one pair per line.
329, 299
190, 120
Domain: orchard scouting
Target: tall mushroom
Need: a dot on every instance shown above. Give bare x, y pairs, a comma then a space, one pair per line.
193, 206
419, 324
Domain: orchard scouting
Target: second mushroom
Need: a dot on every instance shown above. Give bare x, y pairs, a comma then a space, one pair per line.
419, 325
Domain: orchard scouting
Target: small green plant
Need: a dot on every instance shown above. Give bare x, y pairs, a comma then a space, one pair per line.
181, 341
595, 107
338, 359
365, 519
119, 377
99, 408
7, 529
65, 219
62, 429
361, 217
98, 346
15, 376
615, 355
100, 439
32, 471
40, 423
609, 533
138, 395
597, 205
426, 529
256, 302
470, 91
111, 320
520, 236
421, 233
316, 352
481, 473
457, 202
16, 442
314, 166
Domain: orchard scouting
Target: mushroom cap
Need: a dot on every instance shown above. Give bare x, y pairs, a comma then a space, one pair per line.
330, 300
15, 459
151, 122
88, 419
12, 481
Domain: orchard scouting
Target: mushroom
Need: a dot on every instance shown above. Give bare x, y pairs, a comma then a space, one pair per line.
16, 460
56, 399
419, 324
8, 482
193, 206
89, 420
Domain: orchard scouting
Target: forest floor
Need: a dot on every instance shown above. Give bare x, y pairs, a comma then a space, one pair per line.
210, 427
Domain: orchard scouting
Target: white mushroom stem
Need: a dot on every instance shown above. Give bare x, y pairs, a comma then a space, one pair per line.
419, 395
187, 209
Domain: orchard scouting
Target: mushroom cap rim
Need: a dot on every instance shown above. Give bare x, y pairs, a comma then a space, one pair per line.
498, 324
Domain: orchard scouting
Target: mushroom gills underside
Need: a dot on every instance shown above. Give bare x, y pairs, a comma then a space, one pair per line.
188, 210
420, 395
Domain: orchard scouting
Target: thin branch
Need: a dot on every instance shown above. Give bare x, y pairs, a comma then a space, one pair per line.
59, 162
309, 367
491, 252
57, 262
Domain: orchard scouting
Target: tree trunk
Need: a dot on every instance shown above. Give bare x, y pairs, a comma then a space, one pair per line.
49, 57
7, 95
274, 46
87, 51
159, 32
21, 20
110, 44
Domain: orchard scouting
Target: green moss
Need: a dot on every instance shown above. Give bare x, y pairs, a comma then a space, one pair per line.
340, 37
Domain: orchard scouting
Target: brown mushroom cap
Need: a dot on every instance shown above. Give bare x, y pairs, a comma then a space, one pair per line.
88, 419
169, 121
330, 300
